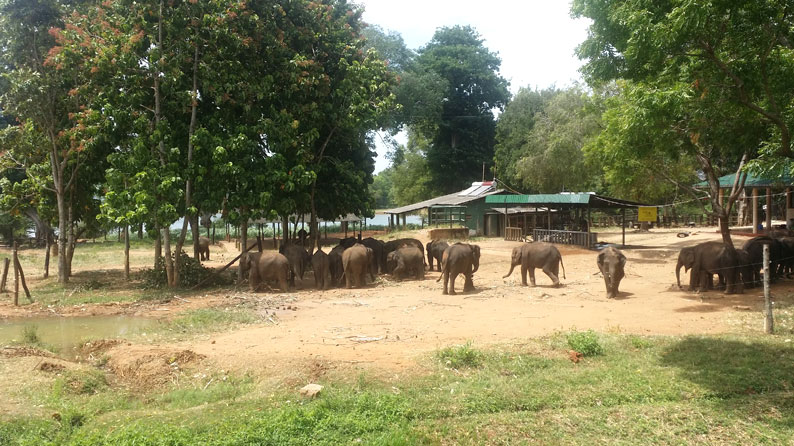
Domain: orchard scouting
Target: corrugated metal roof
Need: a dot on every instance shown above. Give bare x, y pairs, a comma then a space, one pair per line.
561, 200
726, 181
475, 192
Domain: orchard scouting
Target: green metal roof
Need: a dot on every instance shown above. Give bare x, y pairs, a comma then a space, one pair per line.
726, 181
561, 200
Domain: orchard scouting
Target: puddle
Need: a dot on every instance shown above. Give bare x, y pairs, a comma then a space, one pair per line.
67, 333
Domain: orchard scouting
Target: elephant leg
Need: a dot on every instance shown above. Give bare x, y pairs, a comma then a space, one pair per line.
446, 281
608, 285
532, 276
452, 278
468, 284
550, 272
524, 276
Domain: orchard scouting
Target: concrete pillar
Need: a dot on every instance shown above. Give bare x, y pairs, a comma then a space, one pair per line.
768, 224
755, 210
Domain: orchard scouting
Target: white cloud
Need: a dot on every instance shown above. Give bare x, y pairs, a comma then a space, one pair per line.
535, 39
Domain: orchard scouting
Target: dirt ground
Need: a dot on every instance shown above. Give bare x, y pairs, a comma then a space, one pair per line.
390, 325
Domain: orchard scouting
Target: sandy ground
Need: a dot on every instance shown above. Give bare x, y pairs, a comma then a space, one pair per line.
390, 325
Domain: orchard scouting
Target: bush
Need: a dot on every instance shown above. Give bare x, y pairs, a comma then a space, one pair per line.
191, 273
460, 356
585, 342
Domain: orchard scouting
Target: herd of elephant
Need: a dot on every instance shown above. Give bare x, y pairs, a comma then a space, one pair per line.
736, 268
353, 260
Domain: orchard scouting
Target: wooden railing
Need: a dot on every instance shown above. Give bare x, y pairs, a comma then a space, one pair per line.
514, 234
583, 239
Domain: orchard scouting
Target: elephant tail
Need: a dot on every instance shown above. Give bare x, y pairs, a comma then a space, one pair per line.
563, 268
444, 270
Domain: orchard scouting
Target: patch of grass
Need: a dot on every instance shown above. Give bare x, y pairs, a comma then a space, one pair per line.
206, 320
461, 356
30, 337
81, 382
699, 390
585, 342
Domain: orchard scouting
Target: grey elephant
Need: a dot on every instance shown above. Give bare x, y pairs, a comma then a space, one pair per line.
686, 258
267, 266
715, 258
298, 258
357, 261
335, 265
320, 267
755, 249
611, 262
376, 246
405, 262
435, 251
537, 255
204, 248
460, 258
393, 245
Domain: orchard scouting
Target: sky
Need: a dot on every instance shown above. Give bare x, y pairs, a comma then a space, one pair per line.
535, 39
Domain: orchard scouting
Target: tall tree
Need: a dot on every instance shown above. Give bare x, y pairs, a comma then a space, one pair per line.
463, 138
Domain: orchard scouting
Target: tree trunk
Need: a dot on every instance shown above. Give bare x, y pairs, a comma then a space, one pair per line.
195, 231
158, 246
63, 271
126, 252
243, 246
285, 229
48, 242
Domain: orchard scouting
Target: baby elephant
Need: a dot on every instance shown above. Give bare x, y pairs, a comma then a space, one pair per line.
204, 248
611, 263
406, 262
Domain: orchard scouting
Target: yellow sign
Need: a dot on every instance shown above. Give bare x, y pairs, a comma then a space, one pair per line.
646, 213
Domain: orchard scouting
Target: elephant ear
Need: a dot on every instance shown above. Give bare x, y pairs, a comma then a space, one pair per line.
622, 261
601, 258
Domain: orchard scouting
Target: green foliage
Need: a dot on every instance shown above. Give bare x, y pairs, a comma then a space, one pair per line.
80, 382
585, 342
192, 273
463, 138
210, 319
461, 356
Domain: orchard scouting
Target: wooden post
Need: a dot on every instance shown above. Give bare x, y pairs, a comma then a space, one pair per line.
47, 242
16, 274
755, 210
6, 263
788, 204
769, 322
22, 279
768, 224
548, 218
623, 225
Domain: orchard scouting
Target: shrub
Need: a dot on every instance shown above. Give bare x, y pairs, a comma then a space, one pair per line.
191, 272
585, 342
460, 356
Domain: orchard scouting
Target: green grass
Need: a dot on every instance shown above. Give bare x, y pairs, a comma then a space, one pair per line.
699, 390
585, 342
206, 320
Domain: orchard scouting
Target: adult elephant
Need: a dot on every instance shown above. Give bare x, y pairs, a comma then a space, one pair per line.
755, 249
611, 262
267, 266
298, 258
320, 267
406, 262
348, 242
376, 246
357, 261
786, 256
393, 245
715, 258
335, 266
435, 250
460, 258
537, 255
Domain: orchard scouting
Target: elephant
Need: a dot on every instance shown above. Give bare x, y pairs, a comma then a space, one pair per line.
755, 249
393, 245
460, 258
406, 261
335, 264
378, 260
786, 256
320, 267
686, 258
435, 250
715, 258
357, 261
537, 255
611, 262
348, 242
264, 266
298, 258
204, 248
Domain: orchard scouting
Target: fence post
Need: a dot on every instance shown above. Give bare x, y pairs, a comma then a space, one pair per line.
769, 323
16, 275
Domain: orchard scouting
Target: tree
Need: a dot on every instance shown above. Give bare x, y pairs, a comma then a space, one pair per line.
463, 138
739, 51
513, 129
412, 180
46, 99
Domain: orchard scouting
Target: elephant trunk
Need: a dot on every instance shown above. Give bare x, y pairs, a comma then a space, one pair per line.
678, 272
477, 262
512, 266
